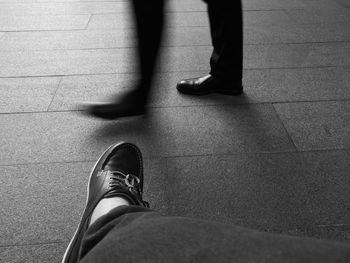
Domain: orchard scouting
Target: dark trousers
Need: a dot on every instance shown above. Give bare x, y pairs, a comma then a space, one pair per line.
137, 234
225, 17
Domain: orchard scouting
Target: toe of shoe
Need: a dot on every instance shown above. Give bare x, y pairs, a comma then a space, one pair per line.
125, 157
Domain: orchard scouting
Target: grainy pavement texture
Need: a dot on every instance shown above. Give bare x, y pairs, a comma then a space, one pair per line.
275, 159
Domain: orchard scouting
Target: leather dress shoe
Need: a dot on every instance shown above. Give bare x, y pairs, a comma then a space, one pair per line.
208, 84
131, 103
110, 110
117, 173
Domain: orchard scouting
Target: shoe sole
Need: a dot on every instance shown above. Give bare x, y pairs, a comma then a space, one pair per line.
217, 91
100, 161
114, 117
88, 110
111, 117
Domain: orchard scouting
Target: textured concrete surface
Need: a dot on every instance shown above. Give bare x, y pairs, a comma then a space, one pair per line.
317, 125
189, 19
275, 159
45, 212
175, 36
189, 58
44, 253
163, 132
53, 22
27, 94
310, 191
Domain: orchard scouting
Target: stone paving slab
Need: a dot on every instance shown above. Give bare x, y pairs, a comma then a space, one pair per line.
45, 253
261, 86
176, 36
343, 3
110, 21
308, 55
86, 7
270, 4
243, 152
297, 55
20, 7
36, 216
306, 192
62, 8
262, 17
57, 22
74, 62
281, 174
188, 19
27, 94
330, 32
291, 4
262, 56
317, 125
40, 137
54, 40
55, 1
322, 16
35, 94
66, 62
290, 192
308, 84
197, 5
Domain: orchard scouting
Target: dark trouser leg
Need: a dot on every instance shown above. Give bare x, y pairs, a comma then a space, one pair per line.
226, 27
149, 18
136, 234
105, 224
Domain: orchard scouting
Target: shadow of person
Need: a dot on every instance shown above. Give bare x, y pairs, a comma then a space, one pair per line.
219, 99
200, 130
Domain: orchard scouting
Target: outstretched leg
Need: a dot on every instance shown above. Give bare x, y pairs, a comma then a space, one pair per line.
118, 226
115, 181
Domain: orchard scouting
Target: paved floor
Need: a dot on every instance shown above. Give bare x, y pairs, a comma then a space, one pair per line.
276, 159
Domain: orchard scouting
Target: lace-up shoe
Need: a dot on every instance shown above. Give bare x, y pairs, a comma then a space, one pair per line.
117, 173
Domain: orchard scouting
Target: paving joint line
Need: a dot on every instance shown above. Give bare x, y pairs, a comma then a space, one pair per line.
159, 73
284, 127
181, 46
188, 156
179, 11
44, 30
174, 46
52, 15
241, 104
166, 27
61, 2
175, 71
87, 24
54, 94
